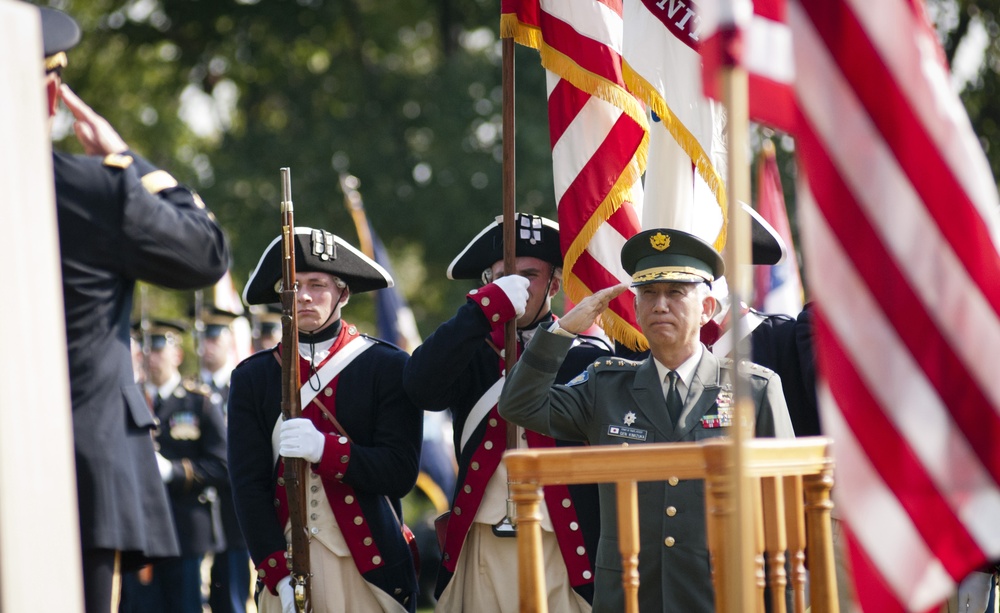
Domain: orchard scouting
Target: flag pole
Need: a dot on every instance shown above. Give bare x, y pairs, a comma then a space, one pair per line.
509, 236
741, 567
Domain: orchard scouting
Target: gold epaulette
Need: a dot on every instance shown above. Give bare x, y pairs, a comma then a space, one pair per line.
157, 181
118, 160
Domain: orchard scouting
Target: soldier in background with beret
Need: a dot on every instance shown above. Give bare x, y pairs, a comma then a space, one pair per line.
120, 220
681, 393
358, 430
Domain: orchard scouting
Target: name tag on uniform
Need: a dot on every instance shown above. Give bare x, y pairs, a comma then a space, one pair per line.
634, 434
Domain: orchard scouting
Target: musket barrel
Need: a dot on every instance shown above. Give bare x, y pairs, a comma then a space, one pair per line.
291, 406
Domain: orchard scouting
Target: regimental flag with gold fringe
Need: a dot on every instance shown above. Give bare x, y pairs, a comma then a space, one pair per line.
901, 226
684, 186
599, 136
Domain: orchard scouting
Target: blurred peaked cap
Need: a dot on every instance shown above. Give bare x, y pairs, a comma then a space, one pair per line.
315, 251
267, 318
162, 331
60, 32
537, 237
766, 245
213, 316
663, 255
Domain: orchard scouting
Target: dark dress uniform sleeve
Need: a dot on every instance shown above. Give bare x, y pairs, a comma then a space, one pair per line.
170, 239
437, 375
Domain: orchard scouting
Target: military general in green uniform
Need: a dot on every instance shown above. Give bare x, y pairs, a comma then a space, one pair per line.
680, 393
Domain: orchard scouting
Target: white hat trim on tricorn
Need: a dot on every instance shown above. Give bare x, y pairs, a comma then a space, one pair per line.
530, 234
367, 276
765, 240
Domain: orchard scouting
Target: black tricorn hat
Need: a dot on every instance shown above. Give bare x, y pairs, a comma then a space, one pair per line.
60, 33
662, 255
537, 237
766, 246
315, 251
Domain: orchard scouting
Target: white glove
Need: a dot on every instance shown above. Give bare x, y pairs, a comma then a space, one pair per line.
516, 289
299, 438
286, 593
974, 592
166, 468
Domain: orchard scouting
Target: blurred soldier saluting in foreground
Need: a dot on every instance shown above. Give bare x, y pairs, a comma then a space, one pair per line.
120, 220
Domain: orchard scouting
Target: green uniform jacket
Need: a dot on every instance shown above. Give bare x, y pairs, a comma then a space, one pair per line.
621, 401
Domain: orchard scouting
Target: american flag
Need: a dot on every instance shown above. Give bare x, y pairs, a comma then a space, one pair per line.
599, 137
900, 220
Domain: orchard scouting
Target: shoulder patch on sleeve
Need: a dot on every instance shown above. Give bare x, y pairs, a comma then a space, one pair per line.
157, 181
580, 378
118, 160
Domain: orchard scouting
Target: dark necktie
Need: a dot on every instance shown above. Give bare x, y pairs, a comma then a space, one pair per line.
674, 403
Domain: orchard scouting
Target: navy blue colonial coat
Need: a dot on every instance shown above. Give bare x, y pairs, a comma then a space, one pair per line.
453, 369
375, 468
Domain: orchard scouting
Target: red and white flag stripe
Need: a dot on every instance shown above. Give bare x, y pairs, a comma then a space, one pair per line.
761, 42
599, 137
900, 225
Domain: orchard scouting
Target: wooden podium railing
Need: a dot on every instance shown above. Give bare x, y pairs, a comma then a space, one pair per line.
791, 481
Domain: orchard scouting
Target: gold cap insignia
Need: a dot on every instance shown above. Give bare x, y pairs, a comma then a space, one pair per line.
659, 241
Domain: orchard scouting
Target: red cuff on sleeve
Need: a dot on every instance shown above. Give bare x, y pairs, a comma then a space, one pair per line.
273, 569
494, 304
336, 455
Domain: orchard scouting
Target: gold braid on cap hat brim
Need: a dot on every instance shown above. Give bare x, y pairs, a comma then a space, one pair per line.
664, 272
56, 61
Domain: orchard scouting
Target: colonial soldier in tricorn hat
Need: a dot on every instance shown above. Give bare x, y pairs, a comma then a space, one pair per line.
359, 431
460, 367
120, 220
682, 392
